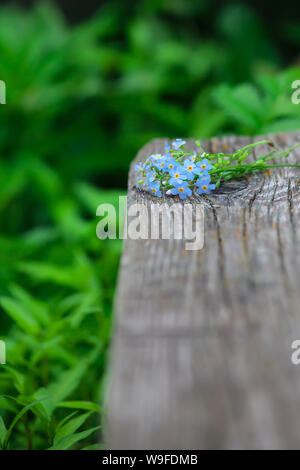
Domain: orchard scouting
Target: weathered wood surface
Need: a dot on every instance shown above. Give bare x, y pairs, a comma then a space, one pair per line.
201, 356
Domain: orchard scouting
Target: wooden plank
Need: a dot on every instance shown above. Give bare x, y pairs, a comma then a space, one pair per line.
201, 356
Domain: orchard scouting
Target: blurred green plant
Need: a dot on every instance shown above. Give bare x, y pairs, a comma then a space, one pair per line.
57, 287
81, 100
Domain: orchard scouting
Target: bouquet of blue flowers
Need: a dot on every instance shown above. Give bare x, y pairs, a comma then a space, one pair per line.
179, 172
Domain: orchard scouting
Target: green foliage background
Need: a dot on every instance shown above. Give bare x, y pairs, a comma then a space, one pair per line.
81, 100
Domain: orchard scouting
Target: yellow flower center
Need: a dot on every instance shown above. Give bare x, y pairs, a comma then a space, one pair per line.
181, 190
171, 166
203, 166
190, 168
153, 190
177, 175
204, 187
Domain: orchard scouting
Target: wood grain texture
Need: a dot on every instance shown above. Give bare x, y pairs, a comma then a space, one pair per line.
201, 356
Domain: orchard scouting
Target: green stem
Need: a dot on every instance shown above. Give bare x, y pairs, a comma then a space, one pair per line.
251, 166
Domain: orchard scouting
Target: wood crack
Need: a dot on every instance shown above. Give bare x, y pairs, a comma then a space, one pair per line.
256, 193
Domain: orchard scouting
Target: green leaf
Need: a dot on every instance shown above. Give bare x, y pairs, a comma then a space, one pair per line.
18, 378
282, 125
66, 428
46, 272
38, 309
241, 103
92, 197
65, 419
69, 380
19, 314
6, 404
69, 441
15, 421
67, 383
44, 408
82, 405
3, 432
93, 447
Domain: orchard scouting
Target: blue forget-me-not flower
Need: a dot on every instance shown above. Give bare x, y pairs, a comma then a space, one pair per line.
178, 143
204, 186
182, 190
